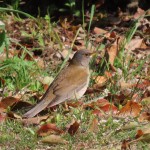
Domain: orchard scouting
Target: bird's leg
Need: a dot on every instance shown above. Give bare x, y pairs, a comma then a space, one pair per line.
66, 106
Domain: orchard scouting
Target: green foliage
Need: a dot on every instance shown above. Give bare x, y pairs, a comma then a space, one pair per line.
119, 61
15, 4
4, 42
2, 36
71, 8
15, 136
2, 39
18, 73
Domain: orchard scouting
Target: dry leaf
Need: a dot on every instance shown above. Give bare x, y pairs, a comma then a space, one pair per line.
112, 52
133, 44
8, 101
131, 109
104, 107
144, 84
99, 31
54, 139
73, 128
64, 54
98, 103
125, 85
100, 80
48, 129
97, 112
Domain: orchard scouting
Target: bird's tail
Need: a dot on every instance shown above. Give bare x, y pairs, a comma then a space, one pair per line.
35, 110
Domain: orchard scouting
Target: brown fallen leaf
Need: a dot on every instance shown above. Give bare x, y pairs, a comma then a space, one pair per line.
102, 106
131, 109
100, 81
112, 52
73, 128
144, 84
98, 112
8, 101
97, 30
98, 103
133, 44
125, 85
107, 109
54, 139
49, 128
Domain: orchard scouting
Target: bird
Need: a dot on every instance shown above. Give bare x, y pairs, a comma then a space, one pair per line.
71, 83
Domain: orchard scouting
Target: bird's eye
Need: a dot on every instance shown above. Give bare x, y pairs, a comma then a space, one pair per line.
87, 55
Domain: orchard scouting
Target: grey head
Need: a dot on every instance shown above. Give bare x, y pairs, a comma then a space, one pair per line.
82, 57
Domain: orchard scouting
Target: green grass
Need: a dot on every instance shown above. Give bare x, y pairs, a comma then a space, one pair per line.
14, 136
19, 73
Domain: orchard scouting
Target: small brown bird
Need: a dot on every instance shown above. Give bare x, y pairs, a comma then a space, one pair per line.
71, 83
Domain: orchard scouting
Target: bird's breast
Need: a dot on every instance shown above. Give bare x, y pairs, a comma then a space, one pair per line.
79, 92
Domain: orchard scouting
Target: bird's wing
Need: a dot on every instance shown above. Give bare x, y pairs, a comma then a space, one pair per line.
72, 79
66, 86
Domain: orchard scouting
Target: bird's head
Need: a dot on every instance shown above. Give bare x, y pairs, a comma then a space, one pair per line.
82, 57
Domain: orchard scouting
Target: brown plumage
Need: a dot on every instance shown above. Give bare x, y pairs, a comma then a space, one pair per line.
71, 83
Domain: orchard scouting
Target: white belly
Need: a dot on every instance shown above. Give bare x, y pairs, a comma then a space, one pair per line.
78, 94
